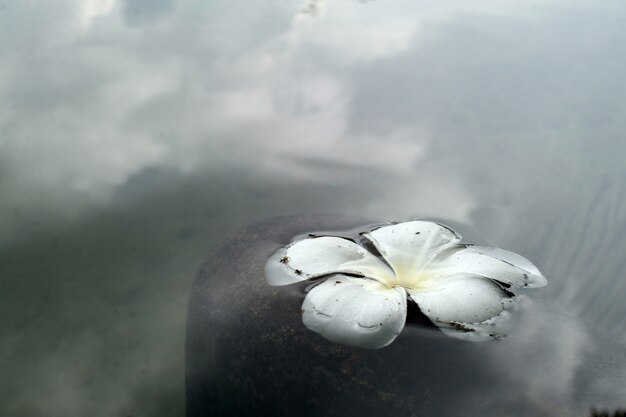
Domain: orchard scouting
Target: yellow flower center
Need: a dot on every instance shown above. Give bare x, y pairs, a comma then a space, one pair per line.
409, 278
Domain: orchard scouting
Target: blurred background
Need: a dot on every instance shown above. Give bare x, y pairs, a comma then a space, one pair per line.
135, 135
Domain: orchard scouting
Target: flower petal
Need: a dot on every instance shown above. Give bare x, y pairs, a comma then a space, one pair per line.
499, 264
409, 246
496, 327
355, 311
314, 257
453, 301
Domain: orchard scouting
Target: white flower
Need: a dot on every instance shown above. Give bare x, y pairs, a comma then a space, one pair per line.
362, 301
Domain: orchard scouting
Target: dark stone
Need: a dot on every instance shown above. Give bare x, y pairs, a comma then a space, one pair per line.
248, 353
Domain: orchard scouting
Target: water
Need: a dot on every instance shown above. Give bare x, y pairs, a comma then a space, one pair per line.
135, 136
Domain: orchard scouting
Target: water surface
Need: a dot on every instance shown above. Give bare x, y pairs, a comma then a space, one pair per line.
136, 135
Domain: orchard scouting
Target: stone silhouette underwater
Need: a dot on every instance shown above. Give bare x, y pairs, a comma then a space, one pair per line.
248, 353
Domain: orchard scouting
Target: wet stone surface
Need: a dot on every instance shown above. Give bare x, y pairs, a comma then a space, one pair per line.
248, 353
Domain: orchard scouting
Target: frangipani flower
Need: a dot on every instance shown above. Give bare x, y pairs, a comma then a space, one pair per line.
361, 298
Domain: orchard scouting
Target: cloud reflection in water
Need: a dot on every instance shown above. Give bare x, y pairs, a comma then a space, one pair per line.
507, 117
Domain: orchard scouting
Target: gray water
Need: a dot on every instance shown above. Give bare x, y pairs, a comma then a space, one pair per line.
136, 135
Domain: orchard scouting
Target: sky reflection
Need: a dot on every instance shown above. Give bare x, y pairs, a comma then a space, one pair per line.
121, 117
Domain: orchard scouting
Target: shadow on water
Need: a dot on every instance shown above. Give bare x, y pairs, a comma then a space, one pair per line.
605, 413
98, 307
